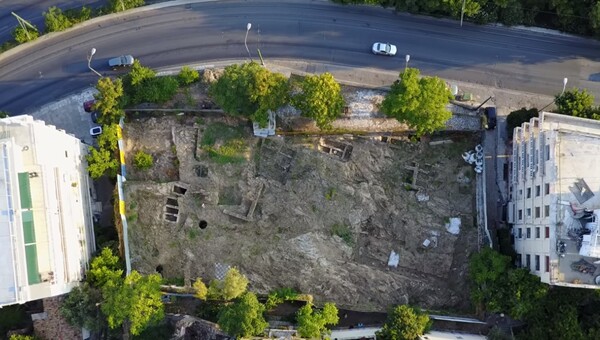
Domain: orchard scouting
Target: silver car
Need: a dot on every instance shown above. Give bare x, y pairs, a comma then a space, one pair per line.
384, 49
121, 61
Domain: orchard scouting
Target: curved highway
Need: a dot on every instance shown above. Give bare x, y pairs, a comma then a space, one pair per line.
317, 31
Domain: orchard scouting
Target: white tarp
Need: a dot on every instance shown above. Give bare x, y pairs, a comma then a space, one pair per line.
453, 226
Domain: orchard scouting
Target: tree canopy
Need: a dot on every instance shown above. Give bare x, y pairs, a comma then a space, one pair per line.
320, 98
418, 102
404, 323
250, 90
313, 324
81, 307
136, 299
518, 117
108, 100
497, 287
580, 17
243, 318
576, 103
100, 162
233, 285
200, 290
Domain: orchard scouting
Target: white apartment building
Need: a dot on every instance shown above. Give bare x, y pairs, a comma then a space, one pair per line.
554, 203
46, 225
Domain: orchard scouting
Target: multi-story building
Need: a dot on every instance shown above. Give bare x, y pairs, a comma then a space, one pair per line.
554, 203
46, 223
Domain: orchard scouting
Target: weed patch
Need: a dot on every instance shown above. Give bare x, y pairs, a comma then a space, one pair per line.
224, 143
344, 233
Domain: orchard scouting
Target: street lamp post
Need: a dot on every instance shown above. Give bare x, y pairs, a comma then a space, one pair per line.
92, 52
248, 27
565, 81
407, 58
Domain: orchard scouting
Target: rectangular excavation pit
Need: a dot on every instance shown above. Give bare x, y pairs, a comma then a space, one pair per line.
171, 218
179, 190
172, 202
172, 211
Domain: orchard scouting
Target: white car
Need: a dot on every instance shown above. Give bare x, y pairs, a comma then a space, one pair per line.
121, 61
384, 49
96, 131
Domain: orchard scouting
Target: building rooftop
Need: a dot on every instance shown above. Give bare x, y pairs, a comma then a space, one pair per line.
577, 190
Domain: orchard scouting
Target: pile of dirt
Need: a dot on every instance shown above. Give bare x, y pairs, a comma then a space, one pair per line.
319, 215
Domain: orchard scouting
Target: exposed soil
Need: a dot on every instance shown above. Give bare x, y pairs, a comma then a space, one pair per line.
324, 224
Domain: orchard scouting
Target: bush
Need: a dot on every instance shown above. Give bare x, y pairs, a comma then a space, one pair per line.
188, 76
279, 296
22, 36
115, 6
156, 90
143, 161
55, 20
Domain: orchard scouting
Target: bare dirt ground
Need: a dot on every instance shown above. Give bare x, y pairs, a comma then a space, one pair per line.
322, 225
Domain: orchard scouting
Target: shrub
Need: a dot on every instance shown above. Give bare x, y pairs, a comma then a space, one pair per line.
143, 161
279, 296
22, 36
188, 76
518, 117
155, 90
55, 20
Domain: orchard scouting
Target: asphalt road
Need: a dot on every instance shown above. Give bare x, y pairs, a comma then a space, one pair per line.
318, 31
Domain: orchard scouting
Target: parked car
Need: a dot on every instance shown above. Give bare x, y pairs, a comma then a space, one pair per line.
88, 105
95, 115
384, 49
490, 116
96, 131
121, 61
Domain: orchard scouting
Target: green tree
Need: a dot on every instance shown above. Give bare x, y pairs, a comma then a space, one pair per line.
243, 318
233, 285
22, 36
108, 101
518, 117
81, 308
200, 290
187, 76
249, 90
575, 102
4, 114
105, 267
123, 5
109, 139
404, 323
595, 18
142, 160
138, 74
313, 324
134, 302
100, 162
420, 103
320, 99
55, 20
486, 268
472, 7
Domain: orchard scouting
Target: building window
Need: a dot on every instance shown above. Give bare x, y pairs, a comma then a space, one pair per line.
547, 232
537, 263
538, 190
520, 233
537, 212
537, 232
547, 151
528, 261
528, 212
520, 214
547, 264
547, 189
528, 192
528, 232
546, 210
